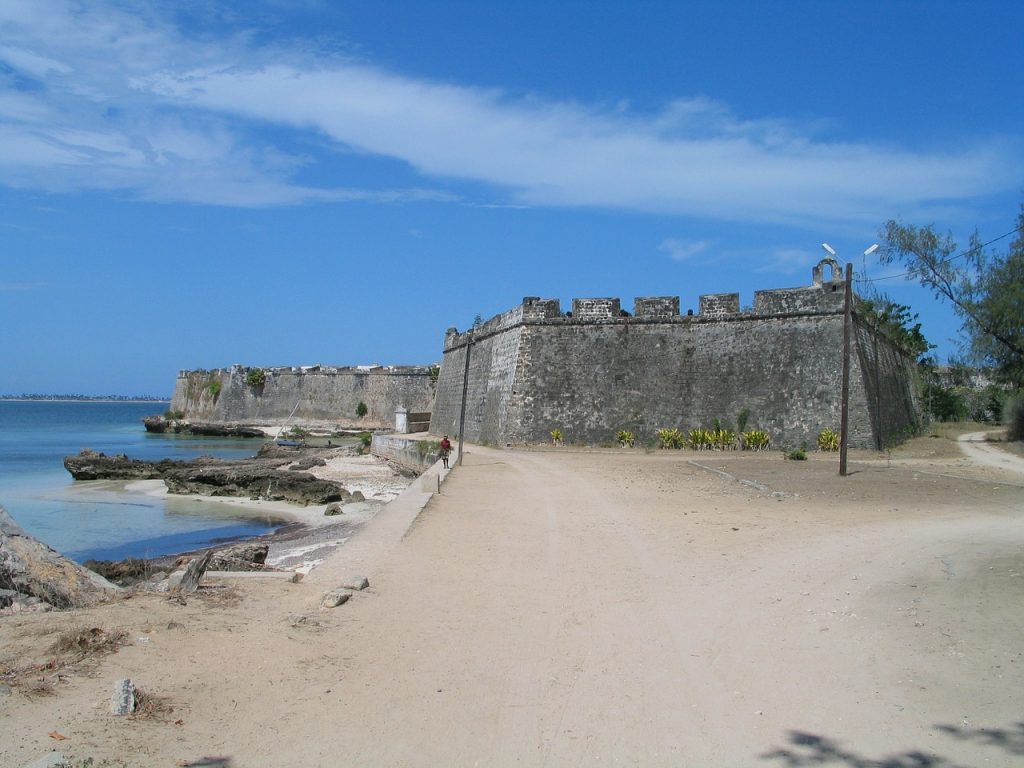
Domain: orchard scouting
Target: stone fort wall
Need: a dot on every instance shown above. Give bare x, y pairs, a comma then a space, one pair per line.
310, 394
597, 369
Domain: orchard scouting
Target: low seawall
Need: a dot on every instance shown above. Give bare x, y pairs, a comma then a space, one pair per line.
414, 455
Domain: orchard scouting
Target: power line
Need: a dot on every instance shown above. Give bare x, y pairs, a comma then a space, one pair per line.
960, 255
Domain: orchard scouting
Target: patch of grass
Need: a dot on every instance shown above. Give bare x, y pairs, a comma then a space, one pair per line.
89, 642
151, 707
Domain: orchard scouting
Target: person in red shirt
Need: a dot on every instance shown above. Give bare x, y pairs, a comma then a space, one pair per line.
446, 448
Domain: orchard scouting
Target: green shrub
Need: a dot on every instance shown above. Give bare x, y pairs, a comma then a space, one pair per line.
556, 436
434, 372
797, 454
700, 439
626, 438
945, 403
298, 433
723, 439
174, 415
255, 377
365, 438
755, 440
742, 419
669, 438
828, 440
361, 409
214, 388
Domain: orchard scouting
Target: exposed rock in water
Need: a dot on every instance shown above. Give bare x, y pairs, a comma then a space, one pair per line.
161, 424
262, 477
93, 465
35, 573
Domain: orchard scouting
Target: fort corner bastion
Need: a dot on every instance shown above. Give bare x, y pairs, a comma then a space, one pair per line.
598, 369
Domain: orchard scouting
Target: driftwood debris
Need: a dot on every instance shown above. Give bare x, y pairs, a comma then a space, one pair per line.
194, 572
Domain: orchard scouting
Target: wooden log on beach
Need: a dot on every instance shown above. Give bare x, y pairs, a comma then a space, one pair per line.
194, 572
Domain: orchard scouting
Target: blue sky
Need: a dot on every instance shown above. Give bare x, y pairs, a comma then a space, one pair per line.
196, 184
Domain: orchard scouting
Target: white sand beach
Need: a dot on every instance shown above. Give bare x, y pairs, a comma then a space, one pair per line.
572, 607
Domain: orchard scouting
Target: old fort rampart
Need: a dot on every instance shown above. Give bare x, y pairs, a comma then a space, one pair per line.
305, 394
597, 369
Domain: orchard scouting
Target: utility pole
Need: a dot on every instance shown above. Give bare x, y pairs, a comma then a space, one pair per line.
844, 403
465, 389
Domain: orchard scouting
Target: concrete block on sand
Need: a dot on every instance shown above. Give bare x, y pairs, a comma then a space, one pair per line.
122, 702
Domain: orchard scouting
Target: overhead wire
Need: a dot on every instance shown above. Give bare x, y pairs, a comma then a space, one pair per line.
1015, 230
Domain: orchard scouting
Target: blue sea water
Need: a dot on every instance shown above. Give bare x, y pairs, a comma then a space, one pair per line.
101, 519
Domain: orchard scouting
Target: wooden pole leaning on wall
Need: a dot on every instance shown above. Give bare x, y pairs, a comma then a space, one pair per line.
465, 389
844, 402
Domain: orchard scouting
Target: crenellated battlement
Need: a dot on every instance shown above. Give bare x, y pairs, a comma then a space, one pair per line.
598, 368
820, 297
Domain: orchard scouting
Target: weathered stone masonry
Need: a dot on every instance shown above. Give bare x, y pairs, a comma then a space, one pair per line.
598, 369
310, 394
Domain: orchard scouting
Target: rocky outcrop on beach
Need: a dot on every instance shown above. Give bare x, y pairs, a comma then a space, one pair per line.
254, 481
94, 465
272, 475
244, 556
34, 577
162, 425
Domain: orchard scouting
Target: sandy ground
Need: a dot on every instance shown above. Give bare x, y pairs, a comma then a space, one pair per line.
565, 607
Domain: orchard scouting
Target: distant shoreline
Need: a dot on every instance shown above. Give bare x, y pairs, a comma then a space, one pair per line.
75, 399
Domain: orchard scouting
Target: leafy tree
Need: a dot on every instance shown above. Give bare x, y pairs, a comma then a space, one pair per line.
986, 289
896, 321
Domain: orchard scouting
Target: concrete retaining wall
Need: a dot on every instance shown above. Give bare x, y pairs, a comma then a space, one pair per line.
415, 455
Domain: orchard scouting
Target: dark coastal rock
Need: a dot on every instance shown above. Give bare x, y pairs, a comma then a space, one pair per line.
334, 509
40, 576
246, 556
124, 573
93, 465
224, 430
161, 425
307, 463
254, 482
261, 477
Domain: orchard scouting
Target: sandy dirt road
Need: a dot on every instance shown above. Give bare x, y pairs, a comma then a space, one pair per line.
567, 608
974, 445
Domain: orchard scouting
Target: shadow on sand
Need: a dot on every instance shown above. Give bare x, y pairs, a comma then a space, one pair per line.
808, 749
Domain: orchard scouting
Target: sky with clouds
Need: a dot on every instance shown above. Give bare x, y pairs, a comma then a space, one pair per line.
196, 184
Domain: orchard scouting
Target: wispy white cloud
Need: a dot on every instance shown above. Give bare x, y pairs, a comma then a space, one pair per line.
679, 250
126, 100
784, 260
